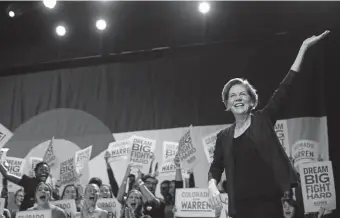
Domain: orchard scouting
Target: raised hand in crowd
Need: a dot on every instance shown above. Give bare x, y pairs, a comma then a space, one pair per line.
122, 188
42, 172
113, 182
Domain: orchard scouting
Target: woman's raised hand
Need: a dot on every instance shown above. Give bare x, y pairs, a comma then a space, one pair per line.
314, 39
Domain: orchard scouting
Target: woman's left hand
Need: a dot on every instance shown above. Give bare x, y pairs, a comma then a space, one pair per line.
314, 39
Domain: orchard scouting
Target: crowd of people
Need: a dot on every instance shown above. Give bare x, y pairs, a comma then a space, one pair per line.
136, 193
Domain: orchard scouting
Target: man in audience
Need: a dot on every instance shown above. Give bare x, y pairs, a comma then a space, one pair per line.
42, 172
97, 181
154, 206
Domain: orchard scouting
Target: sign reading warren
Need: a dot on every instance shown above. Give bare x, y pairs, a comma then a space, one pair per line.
193, 202
169, 152
317, 184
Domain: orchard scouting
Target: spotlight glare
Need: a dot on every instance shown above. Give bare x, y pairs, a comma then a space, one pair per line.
11, 13
60, 30
204, 7
50, 3
101, 24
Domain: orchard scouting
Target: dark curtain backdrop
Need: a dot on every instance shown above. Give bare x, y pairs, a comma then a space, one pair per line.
168, 89
176, 87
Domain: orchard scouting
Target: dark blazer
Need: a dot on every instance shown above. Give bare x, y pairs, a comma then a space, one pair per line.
262, 133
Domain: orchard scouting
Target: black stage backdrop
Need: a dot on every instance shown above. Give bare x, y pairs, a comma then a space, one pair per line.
172, 87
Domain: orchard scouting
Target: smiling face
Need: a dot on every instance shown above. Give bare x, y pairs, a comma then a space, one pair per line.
288, 210
42, 172
43, 193
105, 192
91, 194
70, 192
134, 199
19, 198
239, 100
151, 184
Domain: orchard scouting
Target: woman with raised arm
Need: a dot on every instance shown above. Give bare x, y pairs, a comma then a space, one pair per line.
257, 168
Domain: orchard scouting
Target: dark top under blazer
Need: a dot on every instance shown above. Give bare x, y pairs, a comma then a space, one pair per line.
264, 137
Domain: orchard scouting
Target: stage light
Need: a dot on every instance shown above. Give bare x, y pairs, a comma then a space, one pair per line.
101, 24
204, 7
60, 30
50, 3
11, 13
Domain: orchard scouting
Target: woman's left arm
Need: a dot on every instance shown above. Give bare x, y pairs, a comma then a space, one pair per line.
276, 102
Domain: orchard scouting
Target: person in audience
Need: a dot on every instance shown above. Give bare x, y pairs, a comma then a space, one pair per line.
18, 198
165, 190
89, 208
257, 168
96, 180
133, 206
113, 182
121, 191
70, 192
105, 191
42, 171
153, 205
170, 209
43, 196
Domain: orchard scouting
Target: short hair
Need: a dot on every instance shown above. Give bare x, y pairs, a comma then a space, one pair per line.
97, 181
167, 182
238, 81
41, 163
148, 177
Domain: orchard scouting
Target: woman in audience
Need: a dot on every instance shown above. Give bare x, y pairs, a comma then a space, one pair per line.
122, 188
105, 191
18, 198
43, 195
89, 208
71, 192
133, 206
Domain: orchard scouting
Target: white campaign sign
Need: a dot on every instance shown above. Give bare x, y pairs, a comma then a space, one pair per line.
170, 150
305, 151
193, 202
318, 188
34, 213
187, 152
141, 152
69, 206
111, 205
281, 130
82, 159
119, 150
209, 143
15, 167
